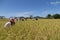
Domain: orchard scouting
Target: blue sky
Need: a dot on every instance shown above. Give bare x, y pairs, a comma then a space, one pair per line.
29, 7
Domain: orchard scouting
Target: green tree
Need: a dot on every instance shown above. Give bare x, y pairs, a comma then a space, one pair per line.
56, 16
31, 16
49, 16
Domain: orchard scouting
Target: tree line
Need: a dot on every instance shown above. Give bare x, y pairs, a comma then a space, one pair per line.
48, 16
55, 16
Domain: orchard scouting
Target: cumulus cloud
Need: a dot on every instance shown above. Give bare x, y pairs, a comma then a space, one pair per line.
25, 14
44, 13
56, 2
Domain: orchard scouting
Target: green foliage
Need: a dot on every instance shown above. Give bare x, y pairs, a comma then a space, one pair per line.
56, 16
31, 17
49, 16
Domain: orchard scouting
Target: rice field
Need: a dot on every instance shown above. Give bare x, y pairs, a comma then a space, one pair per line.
42, 29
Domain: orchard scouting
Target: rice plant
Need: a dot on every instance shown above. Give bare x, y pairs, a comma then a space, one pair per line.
42, 29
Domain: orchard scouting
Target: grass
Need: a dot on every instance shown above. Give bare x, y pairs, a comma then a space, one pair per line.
42, 29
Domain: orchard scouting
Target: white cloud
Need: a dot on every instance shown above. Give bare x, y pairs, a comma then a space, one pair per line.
25, 14
44, 13
56, 2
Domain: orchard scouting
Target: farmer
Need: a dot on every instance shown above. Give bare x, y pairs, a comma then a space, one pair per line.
12, 21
